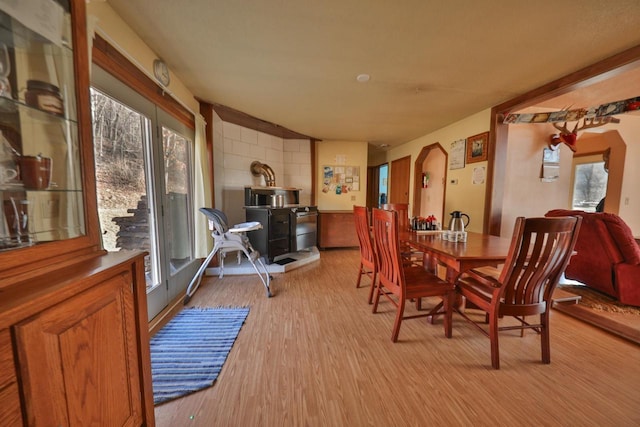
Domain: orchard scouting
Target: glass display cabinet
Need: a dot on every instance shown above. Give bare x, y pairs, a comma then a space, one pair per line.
44, 146
61, 295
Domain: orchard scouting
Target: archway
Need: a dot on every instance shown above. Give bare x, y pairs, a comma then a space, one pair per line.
432, 160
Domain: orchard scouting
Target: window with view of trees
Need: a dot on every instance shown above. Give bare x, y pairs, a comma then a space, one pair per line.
590, 185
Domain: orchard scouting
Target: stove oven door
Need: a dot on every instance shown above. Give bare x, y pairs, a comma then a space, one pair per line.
304, 229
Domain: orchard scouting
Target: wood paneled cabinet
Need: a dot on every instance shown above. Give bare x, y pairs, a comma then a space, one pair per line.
71, 350
337, 229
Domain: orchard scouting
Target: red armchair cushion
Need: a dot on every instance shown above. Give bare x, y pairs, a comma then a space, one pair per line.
623, 237
607, 255
596, 253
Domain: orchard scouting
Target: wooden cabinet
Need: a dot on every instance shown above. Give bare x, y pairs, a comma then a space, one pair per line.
337, 229
74, 351
74, 344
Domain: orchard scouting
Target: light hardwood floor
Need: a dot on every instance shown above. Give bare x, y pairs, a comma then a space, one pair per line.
315, 355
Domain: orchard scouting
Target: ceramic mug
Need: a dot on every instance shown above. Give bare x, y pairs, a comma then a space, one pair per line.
7, 174
35, 172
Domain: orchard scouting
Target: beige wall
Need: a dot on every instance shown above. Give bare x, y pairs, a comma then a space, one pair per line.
465, 196
333, 153
524, 192
526, 195
103, 20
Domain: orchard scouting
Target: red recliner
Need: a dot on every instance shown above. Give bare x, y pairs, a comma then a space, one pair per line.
607, 255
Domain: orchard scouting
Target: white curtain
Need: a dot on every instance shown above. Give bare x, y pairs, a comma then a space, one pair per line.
201, 191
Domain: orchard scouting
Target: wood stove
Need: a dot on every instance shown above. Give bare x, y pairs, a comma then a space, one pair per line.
286, 229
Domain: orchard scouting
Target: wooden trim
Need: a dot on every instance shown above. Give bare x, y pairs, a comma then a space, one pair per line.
498, 138
207, 111
239, 118
85, 131
587, 315
313, 148
587, 76
373, 186
115, 63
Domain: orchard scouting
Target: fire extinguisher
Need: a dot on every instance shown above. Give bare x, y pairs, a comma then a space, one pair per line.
425, 179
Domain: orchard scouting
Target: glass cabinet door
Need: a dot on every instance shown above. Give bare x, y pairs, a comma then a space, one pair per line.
40, 160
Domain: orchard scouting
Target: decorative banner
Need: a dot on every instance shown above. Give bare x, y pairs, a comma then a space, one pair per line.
604, 110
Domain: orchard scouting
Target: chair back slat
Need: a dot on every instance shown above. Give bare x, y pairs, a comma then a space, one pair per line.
387, 247
403, 213
540, 250
363, 230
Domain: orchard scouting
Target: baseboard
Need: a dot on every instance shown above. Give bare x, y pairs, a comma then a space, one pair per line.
587, 315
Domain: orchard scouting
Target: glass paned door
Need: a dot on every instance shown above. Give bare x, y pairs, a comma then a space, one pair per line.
121, 143
175, 172
143, 169
176, 183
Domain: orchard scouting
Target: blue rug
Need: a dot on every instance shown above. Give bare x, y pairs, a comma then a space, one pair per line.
187, 354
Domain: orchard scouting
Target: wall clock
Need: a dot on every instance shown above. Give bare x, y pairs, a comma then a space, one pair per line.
161, 72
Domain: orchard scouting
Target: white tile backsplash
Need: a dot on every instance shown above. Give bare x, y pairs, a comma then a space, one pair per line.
231, 131
300, 158
264, 140
239, 146
277, 143
292, 168
233, 161
272, 155
292, 145
248, 135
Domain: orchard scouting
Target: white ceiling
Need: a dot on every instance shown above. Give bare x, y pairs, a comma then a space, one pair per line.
432, 62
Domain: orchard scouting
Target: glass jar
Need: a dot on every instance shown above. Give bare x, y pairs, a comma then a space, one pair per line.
44, 96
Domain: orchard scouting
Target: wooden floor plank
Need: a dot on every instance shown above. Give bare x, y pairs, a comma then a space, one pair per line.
315, 355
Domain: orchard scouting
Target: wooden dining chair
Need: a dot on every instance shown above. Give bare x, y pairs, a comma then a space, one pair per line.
408, 253
399, 281
403, 213
368, 262
539, 252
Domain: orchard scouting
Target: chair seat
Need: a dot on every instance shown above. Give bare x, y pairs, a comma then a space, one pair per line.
420, 283
246, 226
479, 292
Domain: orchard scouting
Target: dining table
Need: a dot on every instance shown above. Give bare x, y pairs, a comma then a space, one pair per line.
479, 250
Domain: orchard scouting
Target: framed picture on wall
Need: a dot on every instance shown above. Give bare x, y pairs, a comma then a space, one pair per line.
477, 147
